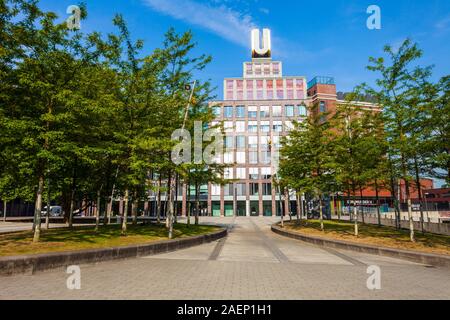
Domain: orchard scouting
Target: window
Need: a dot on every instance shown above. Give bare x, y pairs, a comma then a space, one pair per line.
240, 157
276, 68
228, 190
290, 94
240, 142
215, 190
228, 125
264, 142
265, 126
267, 189
280, 94
250, 84
259, 87
276, 142
230, 84
228, 173
265, 112
228, 112
266, 173
253, 126
276, 111
253, 173
253, 112
217, 111
254, 189
266, 157
228, 158
249, 68
302, 111
289, 111
241, 189
240, 112
253, 142
278, 126
241, 173
269, 89
240, 126
229, 142
253, 157
323, 106
258, 69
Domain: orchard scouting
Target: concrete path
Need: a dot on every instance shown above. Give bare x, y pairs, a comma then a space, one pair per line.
252, 263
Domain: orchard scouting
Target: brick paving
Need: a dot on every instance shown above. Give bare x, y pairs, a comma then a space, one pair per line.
252, 263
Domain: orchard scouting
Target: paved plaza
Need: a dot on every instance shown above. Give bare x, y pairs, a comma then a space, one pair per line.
251, 263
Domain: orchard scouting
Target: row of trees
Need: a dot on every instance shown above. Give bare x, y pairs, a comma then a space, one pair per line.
90, 116
356, 148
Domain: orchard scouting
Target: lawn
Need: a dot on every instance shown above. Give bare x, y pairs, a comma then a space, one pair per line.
58, 240
374, 235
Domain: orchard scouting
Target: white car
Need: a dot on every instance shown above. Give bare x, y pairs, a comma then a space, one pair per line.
55, 211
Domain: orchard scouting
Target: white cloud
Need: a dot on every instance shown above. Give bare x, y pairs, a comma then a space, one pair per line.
220, 19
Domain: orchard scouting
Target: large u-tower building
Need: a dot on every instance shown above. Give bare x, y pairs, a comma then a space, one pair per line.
257, 110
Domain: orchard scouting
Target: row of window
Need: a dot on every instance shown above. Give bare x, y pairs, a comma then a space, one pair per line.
264, 111
241, 157
254, 127
251, 142
253, 173
240, 190
259, 69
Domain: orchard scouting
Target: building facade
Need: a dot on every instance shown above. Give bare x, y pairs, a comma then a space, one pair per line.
257, 110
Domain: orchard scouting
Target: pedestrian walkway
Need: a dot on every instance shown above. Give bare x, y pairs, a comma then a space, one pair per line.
251, 263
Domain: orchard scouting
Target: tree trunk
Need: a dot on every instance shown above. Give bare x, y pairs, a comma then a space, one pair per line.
47, 218
188, 204
289, 208
4, 210
362, 204
377, 195
408, 199
72, 208
158, 201
299, 209
419, 190
170, 214
38, 206
97, 212
321, 213
355, 213
197, 203
134, 208
281, 207
169, 201
111, 200
125, 213
349, 207
177, 182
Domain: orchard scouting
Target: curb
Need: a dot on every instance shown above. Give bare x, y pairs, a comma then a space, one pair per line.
34, 263
423, 258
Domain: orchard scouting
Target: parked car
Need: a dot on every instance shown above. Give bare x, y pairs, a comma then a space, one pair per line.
55, 211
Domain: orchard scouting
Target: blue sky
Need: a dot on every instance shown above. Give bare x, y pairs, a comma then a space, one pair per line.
311, 37
326, 37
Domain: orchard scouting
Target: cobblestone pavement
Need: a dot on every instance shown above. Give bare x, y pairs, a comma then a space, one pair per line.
252, 263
